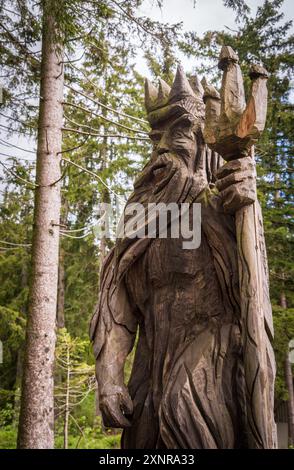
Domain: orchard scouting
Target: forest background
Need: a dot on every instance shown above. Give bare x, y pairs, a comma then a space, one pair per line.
107, 48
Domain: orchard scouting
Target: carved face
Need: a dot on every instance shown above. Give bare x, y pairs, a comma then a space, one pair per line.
176, 136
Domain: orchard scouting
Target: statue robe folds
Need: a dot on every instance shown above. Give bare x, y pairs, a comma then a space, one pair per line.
191, 385
187, 382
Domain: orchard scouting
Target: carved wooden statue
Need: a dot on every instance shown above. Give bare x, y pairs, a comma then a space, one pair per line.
203, 373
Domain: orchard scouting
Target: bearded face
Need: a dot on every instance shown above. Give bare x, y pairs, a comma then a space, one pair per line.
176, 136
176, 115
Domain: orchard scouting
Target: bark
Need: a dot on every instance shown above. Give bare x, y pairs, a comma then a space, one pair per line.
36, 425
60, 320
289, 384
283, 300
66, 413
105, 198
19, 360
19, 372
60, 317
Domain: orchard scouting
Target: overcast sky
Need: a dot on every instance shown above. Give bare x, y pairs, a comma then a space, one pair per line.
206, 15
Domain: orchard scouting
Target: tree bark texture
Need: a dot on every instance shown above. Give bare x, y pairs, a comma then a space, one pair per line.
37, 402
60, 319
289, 383
67, 393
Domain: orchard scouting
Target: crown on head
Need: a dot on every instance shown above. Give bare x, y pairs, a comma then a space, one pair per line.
183, 97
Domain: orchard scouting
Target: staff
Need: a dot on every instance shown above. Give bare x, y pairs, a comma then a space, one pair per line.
231, 129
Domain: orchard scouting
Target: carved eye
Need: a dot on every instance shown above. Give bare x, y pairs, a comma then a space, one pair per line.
186, 122
158, 174
181, 128
155, 137
177, 134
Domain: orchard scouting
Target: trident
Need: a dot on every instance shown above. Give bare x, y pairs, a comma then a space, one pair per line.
231, 129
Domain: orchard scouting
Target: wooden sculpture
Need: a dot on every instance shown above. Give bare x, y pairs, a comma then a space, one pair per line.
203, 372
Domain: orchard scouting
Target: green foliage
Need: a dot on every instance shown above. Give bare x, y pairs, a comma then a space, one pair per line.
12, 325
92, 438
11, 329
284, 333
74, 377
101, 40
239, 5
8, 437
6, 414
75, 395
8, 426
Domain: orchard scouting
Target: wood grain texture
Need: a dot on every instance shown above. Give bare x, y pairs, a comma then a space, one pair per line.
237, 129
190, 383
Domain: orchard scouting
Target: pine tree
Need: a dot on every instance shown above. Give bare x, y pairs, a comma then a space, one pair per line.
36, 425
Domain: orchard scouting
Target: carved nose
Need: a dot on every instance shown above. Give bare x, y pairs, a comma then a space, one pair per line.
163, 145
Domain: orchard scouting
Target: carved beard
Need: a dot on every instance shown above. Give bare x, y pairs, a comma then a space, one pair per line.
203, 163
190, 154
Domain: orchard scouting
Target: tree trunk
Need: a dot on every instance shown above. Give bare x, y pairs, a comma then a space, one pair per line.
36, 425
289, 384
19, 361
283, 300
103, 241
66, 411
105, 197
60, 316
17, 385
60, 320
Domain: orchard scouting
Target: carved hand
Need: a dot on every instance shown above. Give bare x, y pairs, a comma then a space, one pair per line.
115, 406
236, 184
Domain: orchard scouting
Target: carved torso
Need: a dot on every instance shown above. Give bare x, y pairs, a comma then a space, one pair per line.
178, 300
203, 370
